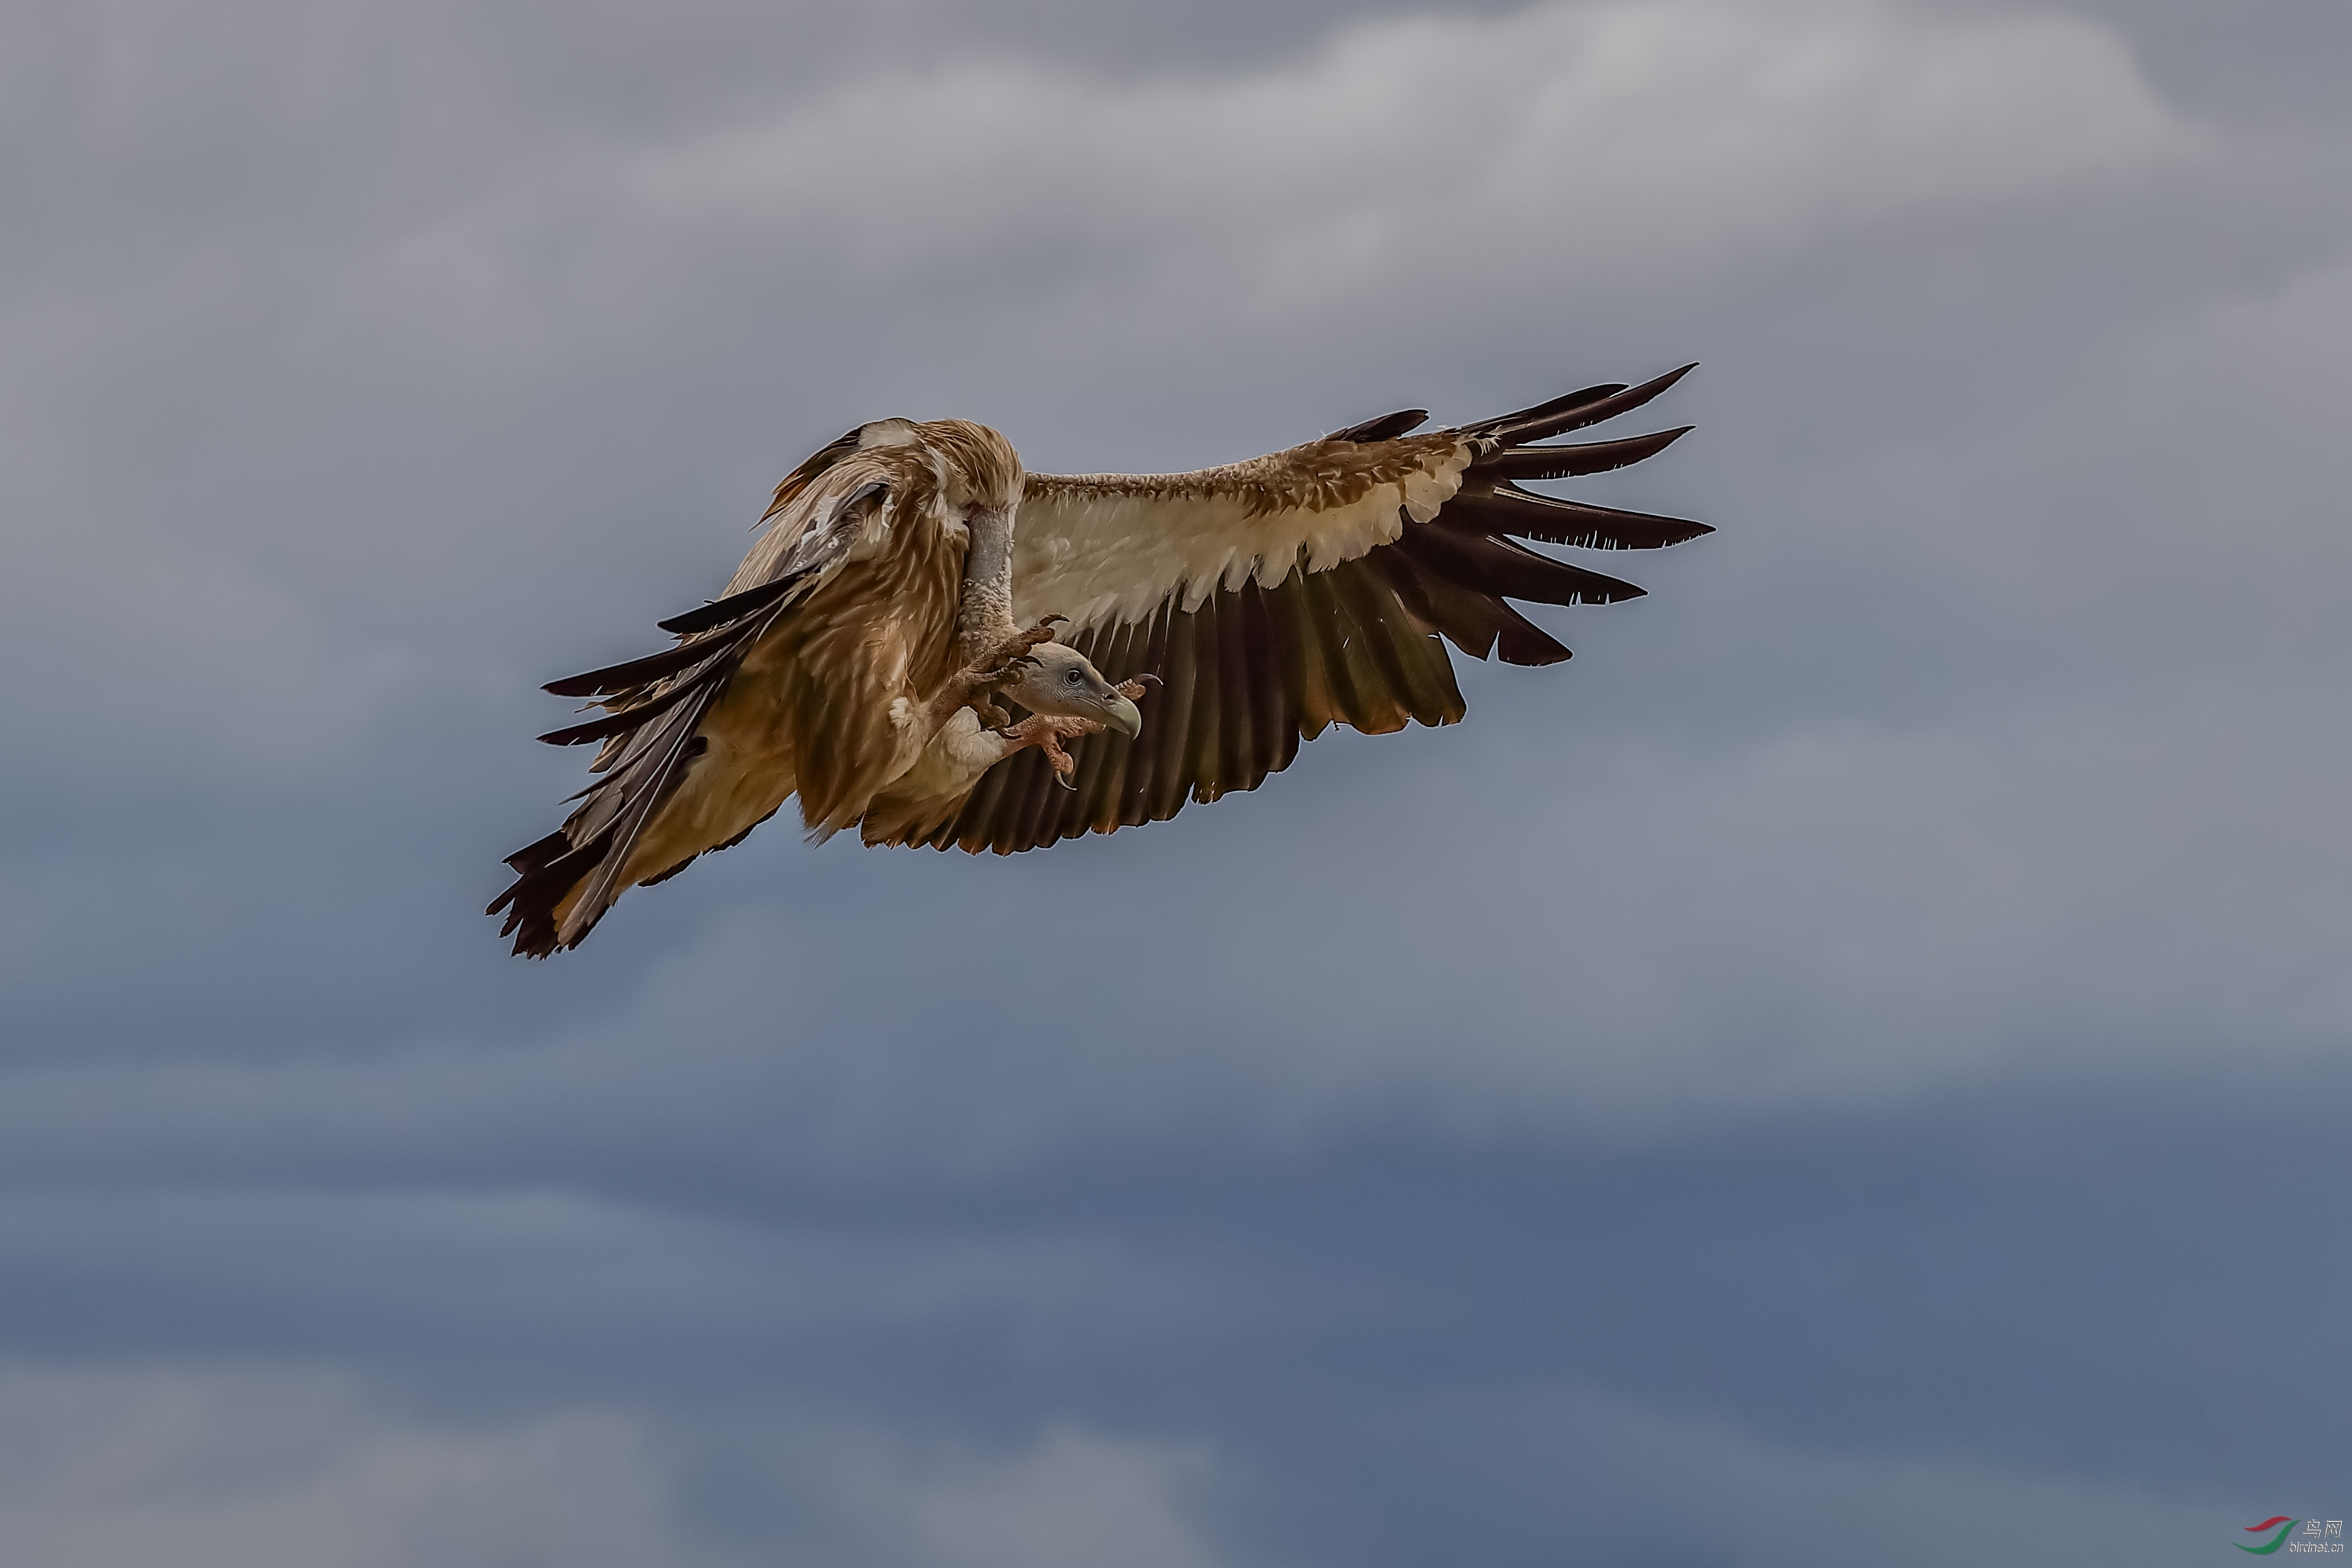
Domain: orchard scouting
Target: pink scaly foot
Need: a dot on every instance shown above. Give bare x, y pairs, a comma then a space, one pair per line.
1047, 735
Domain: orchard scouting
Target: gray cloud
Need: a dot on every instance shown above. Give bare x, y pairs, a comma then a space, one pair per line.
363, 367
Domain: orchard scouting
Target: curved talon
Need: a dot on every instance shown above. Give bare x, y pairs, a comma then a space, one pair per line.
984, 677
1048, 733
1043, 632
977, 684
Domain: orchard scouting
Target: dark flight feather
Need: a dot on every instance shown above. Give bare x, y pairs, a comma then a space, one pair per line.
1387, 428
719, 612
1508, 509
1557, 418
1253, 672
1568, 462
1508, 569
1553, 408
624, 720
627, 677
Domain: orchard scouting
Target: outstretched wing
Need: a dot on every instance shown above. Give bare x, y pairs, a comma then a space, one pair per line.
1275, 597
654, 705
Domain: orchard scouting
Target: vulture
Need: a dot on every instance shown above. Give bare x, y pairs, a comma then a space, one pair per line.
1167, 637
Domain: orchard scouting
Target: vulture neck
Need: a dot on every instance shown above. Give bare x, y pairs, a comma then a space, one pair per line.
984, 619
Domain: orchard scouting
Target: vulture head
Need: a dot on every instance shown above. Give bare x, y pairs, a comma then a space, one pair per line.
1062, 683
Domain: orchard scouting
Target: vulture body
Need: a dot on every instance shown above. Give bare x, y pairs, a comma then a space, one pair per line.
851, 657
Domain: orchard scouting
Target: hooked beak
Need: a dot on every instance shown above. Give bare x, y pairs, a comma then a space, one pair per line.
1123, 716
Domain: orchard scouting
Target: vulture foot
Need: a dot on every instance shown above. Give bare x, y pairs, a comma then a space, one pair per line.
1047, 735
997, 667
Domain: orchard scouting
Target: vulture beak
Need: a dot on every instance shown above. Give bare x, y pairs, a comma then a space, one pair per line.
1123, 716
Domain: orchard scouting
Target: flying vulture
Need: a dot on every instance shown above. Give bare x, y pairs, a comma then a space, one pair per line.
1183, 634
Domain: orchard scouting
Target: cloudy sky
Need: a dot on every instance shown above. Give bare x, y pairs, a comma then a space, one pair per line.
1853, 1068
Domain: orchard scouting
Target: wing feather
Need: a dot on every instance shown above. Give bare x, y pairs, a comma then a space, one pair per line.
1174, 745
615, 679
1318, 585
1386, 427
1507, 569
1578, 410
1590, 458
1246, 677
656, 706
1509, 510
1143, 763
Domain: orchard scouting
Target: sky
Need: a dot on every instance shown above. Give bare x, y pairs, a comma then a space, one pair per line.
1852, 1068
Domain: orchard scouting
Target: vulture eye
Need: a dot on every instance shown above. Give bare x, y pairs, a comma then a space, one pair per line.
1075, 679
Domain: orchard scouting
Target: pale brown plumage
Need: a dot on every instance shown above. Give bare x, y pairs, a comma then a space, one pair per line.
1269, 599
811, 675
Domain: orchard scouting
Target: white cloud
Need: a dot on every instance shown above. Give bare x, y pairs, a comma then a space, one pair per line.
1073, 1498
1441, 172
215, 1467
112, 1469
